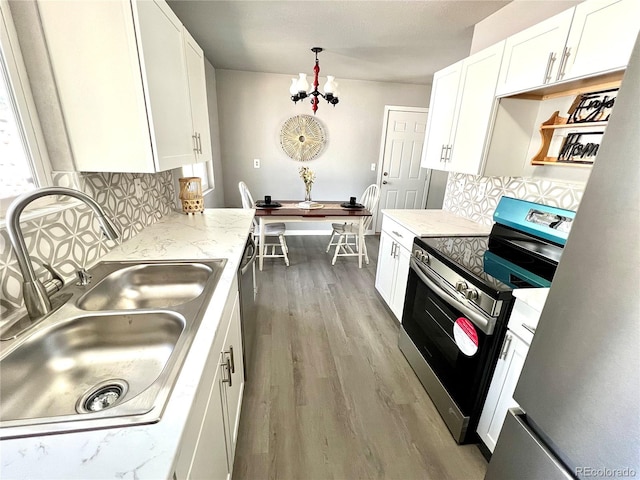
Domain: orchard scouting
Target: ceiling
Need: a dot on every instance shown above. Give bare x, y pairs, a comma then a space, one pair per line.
401, 41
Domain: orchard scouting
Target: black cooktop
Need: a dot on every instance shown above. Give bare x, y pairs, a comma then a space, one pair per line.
504, 260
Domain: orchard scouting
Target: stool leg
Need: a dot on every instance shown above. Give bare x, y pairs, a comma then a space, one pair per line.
338, 246
364, 248
333, 232
283, 245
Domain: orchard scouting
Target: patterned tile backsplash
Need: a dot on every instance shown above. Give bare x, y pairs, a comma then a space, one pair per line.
476, 198
70, 238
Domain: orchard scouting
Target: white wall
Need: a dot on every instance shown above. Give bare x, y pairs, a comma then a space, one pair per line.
514, 17
214, 199
252, 108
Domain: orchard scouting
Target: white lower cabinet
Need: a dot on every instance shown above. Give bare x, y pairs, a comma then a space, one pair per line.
500, 396
393, 264
522, 324
208, 443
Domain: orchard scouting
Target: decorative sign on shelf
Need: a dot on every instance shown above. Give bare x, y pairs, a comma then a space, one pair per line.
580, 147
592, 107
575, 140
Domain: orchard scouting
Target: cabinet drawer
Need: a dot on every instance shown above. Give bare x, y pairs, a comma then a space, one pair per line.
523, 320
401, 235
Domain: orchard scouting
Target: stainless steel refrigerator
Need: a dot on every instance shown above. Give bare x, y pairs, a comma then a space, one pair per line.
579, 391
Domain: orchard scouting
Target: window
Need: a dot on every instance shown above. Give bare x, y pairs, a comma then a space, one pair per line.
203, 170
23, 162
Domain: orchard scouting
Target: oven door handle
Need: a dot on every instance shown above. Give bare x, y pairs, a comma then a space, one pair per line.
485, 324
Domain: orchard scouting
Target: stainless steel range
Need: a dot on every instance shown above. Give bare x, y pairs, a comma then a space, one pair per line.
459, 297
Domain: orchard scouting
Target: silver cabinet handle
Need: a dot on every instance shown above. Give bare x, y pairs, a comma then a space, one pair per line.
529, 328
199, 144
233, 363
393, 249
397, 234
550, 62
195, 142
442, 152
447, 157
227, 364
563, 62
505, 347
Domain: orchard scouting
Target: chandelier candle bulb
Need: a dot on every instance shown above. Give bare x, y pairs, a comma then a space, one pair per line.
329, 87
303, 85
294, 86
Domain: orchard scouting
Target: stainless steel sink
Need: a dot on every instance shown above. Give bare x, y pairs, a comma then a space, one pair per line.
113, 366
159, 285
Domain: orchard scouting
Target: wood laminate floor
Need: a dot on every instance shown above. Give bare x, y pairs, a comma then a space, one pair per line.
329, 395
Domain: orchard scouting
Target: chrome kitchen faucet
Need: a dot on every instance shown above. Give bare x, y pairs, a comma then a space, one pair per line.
35, 293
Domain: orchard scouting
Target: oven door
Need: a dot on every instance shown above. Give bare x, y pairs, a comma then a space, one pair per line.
449, 337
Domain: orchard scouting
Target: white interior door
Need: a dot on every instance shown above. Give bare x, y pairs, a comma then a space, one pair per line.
403, 184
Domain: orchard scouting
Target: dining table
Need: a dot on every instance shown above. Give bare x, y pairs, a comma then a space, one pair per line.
325, 211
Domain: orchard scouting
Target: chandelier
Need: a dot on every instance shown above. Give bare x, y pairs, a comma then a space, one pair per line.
299, 87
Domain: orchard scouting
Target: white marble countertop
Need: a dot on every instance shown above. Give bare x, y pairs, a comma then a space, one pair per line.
534, 297
144, 451
435, 223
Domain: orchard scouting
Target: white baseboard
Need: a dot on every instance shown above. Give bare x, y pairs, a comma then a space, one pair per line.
289, 232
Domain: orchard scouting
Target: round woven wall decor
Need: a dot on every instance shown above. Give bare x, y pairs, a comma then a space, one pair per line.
302, 138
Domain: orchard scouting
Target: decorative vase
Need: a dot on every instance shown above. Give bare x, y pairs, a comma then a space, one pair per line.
307, 191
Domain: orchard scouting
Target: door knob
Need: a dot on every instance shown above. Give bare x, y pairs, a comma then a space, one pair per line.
385, 173
384, 182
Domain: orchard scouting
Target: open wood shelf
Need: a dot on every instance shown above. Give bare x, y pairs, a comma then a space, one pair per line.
554, 161
573, 125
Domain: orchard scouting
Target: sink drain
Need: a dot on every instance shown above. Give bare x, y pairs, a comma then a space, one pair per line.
102, 396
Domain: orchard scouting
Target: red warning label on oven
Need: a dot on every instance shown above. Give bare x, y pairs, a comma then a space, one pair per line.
465, 336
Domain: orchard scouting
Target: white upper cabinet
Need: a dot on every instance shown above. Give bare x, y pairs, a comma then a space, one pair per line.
198, 98
164, 64
123, 85
594, 37
461, 111
475, 109
441, 112
532, 57
601, 38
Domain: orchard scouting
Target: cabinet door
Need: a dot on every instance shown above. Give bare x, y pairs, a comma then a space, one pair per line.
210, 456
500, 397
198, 98
475, 109
166, 84
385, 272
601, 38
441, 112
400, 281
531, 57
94, 58
233, 392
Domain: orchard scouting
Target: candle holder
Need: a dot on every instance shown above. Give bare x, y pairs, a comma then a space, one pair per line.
191, 195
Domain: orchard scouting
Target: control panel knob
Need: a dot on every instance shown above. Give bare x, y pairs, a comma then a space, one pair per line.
471, 294
461, 286
421, 255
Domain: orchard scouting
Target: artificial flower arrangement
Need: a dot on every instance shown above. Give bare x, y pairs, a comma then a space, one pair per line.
307, 176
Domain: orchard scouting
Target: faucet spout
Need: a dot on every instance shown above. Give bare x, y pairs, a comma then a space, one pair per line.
36, 298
